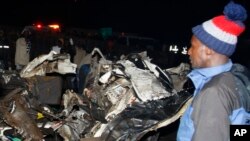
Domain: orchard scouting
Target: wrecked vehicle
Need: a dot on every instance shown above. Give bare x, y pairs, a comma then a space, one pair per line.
24, 95
122, 100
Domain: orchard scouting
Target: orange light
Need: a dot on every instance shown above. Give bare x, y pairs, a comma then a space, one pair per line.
54, 26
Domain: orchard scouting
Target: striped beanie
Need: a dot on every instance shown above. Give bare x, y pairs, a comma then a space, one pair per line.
220, 33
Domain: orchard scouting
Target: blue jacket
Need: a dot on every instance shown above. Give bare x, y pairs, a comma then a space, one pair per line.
215, 106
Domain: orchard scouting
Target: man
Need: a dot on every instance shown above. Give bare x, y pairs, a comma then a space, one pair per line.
216, 102
59, 45
23, 46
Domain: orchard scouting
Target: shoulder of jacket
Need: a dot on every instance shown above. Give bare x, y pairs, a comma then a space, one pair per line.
222, 78
223, 84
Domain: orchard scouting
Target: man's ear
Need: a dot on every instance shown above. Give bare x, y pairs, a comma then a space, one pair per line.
209, 51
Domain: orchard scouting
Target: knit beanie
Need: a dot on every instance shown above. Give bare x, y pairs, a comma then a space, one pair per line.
221, 32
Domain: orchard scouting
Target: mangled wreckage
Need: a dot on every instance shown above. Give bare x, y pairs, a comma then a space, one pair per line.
122, 100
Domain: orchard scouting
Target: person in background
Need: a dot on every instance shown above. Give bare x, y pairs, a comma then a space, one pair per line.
22, 54
80, 53
69, 47
216, 102
59, 45
70, 79
111, 50
84, 68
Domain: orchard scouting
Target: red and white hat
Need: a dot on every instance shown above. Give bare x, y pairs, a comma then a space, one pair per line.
221, 32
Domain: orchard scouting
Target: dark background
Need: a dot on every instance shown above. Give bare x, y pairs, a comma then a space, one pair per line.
163, 19
167, 20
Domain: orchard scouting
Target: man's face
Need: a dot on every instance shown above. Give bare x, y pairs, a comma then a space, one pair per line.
197, 53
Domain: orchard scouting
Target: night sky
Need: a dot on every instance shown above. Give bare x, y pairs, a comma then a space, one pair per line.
164, 19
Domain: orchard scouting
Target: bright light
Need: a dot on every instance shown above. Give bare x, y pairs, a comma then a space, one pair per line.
173, 48
6, 46
39, 26
54, 26
184, 50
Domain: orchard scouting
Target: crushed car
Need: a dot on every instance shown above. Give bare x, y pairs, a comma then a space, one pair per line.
121, 100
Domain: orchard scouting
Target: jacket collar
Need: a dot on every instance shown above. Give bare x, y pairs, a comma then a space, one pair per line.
202, 75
